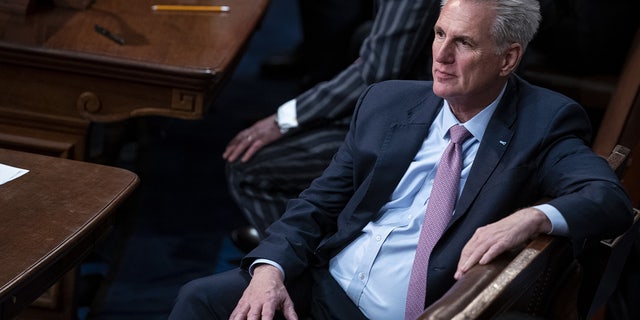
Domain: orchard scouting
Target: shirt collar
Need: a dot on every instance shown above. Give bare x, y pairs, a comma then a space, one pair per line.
476, 125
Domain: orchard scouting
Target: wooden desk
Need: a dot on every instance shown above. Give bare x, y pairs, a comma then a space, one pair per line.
59, 74
51, 218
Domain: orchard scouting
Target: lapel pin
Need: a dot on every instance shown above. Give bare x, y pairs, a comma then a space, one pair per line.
504, 143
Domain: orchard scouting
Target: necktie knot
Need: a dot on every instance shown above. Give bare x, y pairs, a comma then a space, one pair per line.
459, 134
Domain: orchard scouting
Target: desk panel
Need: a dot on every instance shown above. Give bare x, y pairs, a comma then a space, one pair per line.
58, 68
51, 218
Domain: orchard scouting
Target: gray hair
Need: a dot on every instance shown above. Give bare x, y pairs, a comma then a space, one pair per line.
516, 21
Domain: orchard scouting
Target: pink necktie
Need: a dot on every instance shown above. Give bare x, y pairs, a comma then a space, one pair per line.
439, 210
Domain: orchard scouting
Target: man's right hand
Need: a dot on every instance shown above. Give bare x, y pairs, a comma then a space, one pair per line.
265, 295
248, 141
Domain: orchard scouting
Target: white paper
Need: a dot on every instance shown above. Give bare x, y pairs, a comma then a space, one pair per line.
8, 173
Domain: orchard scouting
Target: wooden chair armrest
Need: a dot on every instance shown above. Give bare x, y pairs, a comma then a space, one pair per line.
466, 290
487, 290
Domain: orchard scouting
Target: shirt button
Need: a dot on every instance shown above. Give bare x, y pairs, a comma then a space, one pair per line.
378, 238
361, 276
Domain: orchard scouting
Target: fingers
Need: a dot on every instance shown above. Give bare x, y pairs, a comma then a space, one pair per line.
265, 295
251, 150
263, 311
289, 311
249, 141
470, 256
509, 233
234, 147
268, 312
251, 314
250, 311
487, 243
244, 145
240, 311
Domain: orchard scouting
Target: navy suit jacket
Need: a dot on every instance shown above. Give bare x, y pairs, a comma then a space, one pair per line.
535, 145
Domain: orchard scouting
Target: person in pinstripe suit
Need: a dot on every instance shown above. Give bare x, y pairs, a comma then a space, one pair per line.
277, 157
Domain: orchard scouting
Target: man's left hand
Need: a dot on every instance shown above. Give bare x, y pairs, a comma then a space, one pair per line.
507, 234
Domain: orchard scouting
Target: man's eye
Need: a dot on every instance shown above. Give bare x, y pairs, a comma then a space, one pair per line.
465, 43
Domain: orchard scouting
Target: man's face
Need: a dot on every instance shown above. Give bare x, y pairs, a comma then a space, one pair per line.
466, 66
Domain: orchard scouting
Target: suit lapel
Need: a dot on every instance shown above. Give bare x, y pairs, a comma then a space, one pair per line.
494, 143
402, 141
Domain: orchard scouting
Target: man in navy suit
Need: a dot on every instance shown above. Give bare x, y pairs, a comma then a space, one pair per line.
344, 248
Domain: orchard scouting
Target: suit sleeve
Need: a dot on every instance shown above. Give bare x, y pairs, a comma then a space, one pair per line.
582, 185
399, 36
292, 240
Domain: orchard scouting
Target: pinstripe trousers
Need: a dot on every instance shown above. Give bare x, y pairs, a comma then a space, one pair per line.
278, 172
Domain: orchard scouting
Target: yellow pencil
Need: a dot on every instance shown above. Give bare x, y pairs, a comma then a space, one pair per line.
169, 7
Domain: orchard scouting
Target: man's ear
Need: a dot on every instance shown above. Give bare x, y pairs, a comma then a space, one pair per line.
511, 58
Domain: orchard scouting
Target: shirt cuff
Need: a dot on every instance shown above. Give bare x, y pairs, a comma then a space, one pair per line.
559, 226
287, 117
265, 261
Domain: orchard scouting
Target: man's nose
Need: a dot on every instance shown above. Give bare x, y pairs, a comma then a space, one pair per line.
442, 52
